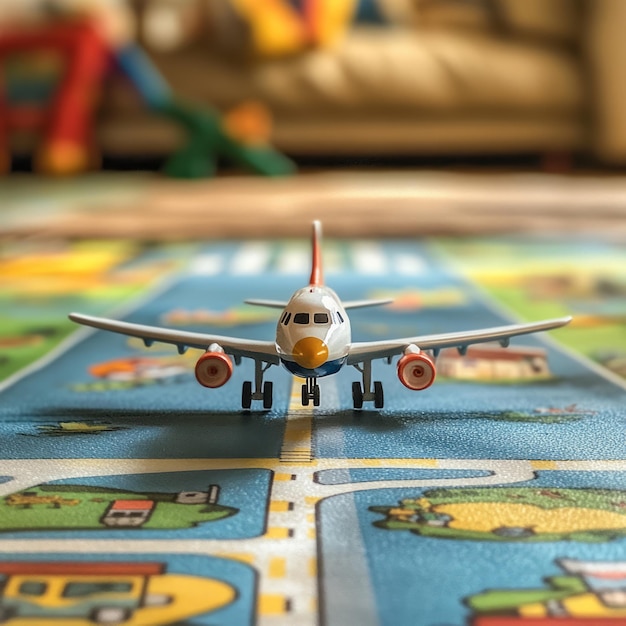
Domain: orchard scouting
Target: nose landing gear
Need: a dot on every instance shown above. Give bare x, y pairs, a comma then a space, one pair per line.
311, 391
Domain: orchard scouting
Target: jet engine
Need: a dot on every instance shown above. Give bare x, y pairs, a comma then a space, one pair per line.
416, 370
214, 368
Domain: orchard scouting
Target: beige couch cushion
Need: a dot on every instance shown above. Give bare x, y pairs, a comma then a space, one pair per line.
438, 72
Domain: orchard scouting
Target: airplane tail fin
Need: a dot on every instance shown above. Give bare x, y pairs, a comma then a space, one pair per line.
317, 275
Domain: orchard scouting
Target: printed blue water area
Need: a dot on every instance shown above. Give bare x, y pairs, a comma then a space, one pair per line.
456, 420
422, 580
245, 490
239, 575
449, 420
149, 435
174, 419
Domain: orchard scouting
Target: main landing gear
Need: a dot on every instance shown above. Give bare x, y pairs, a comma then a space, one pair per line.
262, 390
367, 392
311, 391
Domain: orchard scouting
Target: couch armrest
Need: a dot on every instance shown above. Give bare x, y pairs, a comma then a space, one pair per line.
605, 48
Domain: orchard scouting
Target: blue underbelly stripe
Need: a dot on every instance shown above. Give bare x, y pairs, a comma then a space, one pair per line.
328, 368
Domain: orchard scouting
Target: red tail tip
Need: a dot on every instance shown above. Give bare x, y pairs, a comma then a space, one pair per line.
317, 277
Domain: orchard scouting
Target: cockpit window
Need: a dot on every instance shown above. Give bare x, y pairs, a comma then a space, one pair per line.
320, 318
301, 318
285, 318
339, 316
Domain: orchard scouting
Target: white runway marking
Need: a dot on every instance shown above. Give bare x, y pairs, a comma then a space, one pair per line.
207, 265
369, 258
251, 259
294, 261
409, 265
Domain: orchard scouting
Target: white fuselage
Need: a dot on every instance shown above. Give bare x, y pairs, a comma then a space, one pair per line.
313, 334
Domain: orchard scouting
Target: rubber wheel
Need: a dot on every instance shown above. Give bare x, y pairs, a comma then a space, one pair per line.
246, 395
268, 390
379, 396
305, 396
357, 395
110, 615
316, 395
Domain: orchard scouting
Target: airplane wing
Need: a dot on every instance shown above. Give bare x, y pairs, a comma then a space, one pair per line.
367, 350
360, 304
261, 350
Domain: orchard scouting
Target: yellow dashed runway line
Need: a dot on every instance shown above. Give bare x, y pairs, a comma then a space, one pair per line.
278, 567
297, 445
543, 465
432, 463
280, 476
278, 532
273, 604
280, 506
291, 564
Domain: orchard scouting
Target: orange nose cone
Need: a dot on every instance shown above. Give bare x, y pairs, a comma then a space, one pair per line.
310, 352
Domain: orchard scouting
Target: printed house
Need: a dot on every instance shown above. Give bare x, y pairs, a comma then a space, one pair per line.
125, 513
494, 363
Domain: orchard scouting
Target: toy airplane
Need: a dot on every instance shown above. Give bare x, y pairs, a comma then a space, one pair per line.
313, 340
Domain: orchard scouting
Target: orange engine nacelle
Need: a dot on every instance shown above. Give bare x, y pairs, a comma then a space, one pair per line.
214, 368
416, 370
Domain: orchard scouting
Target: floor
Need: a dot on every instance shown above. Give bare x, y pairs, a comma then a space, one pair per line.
364, 203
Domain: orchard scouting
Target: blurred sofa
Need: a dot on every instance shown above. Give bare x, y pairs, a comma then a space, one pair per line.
501, 76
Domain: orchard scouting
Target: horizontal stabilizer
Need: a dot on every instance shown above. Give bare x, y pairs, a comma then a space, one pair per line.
359, 304
272, 304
